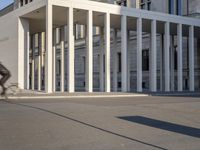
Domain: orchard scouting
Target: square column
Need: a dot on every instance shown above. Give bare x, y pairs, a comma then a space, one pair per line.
124, 52
70, 36
89, 53
128, 62
33, 64
115, 61
62, 57
39, 62
166, 57
48, 59
161, 61
107, 52
101, 59
180, 57
139, 54
172, 62
191, 58
153, 58
42, 56
27, 60
54, 60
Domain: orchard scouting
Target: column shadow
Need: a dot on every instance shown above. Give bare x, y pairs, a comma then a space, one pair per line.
168, 126
87, 124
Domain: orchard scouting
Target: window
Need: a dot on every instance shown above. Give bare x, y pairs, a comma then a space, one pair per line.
142, 4
26, 1
84, 68
119, 62
148, 5
145, 4
175, 58
121, 2
170, 6
58, 67
178, 7
102, 61
21, 2
145, 60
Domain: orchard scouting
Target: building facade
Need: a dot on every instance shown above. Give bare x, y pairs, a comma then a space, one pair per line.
102, 45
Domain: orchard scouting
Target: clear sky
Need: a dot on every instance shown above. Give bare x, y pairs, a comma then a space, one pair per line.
4, 3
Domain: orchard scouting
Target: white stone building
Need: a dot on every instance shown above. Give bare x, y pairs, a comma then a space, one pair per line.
102, 45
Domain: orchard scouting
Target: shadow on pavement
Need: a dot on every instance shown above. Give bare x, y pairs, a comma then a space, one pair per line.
86, 124
181, 129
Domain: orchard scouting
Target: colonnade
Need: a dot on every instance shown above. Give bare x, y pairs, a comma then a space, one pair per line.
50, 75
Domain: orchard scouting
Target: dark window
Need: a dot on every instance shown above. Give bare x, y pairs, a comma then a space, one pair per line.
148, 5
26, 1
122, 2
186, 84
84, 64
178, 7
119, 84
21, 2
145, 60
30, 74
59, 67
142, 4
171, 6
125, 3
175, 59
143, 85
104, 63
119, 62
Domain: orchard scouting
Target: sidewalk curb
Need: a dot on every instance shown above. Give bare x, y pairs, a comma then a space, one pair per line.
77, 96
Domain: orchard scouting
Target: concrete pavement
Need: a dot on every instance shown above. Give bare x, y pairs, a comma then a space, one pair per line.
129, 123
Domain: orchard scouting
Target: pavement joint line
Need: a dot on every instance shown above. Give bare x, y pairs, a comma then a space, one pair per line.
81, 96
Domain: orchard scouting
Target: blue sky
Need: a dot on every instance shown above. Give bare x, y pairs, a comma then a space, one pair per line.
4, 3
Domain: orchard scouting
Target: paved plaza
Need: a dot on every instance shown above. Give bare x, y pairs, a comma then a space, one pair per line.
123, 123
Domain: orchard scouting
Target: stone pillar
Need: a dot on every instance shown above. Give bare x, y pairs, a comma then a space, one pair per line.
139, 54
128, 61
54, 60
101, 59
33, 64
42, 56
115, 61
124, 53
89, 51
191, 58
153, 57
28, 39
71, 56
39, 61
166, 57
161, 62
180, 57
107, 51
62, 58
48, 59
172, 62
